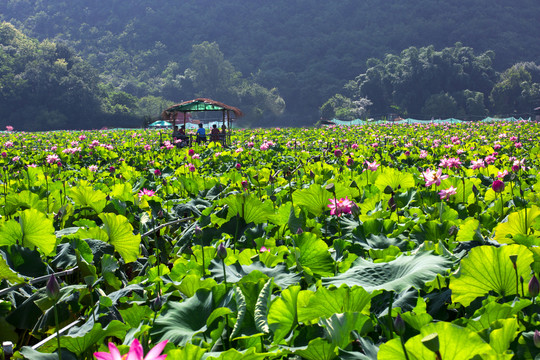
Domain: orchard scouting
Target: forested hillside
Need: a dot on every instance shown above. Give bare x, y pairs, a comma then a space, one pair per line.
302, 51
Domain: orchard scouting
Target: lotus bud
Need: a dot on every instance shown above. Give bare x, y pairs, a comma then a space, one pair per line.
399, 325
221, 251
536, 338
355, 210
498, 186
392, 204
198, 230
53, 288
157, 303
534, 286
311, 174
431, 341
299, 231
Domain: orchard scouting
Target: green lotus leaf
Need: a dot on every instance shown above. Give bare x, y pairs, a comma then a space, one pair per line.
241, 305
314, 199
455, 343
431, 231
313, 253
233, 354
188, 352
10, 232
87, 197
120, 234
235, 272
216, 314
179, 322
397, 275
34, 229
518, 223
502, 333
32, 354
469, 230
492, 311
260, 314
395, 179
191, 283
323, 303
135, 315
122, 191
318, 349
282, 315
248, 207
80, 339
24, 200
339, 327
6, 273
486, 269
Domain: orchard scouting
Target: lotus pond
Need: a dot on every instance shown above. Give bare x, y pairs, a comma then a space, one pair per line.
368, 242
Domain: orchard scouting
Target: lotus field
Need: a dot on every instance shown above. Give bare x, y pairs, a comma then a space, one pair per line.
369, 242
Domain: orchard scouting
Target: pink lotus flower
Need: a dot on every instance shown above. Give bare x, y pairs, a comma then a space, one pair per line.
423, 154
93, 168
518, 164
341, 206
51, 159
9, 128
146, 192
372, 166
191, 152
350, 162
135, 352
338, 153
432, 177
450, 163
445, 194
238, 166
477, 164
191, 167
502, 174
490, 159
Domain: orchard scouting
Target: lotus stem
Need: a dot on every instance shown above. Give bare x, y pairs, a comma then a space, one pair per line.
57, 331
403, 347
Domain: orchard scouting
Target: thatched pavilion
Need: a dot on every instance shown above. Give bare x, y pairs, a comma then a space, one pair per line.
204, 104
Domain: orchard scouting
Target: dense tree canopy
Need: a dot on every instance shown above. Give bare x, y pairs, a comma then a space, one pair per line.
454, 82
304, 50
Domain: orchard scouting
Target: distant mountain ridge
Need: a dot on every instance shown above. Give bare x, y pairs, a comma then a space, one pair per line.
306, 49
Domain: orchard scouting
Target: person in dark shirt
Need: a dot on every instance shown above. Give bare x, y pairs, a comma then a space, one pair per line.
214, 134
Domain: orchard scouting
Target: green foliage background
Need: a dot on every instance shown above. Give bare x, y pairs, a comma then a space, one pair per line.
281, 60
